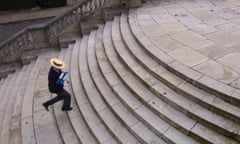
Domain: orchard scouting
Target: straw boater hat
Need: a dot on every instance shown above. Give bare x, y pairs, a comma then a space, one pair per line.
57, 63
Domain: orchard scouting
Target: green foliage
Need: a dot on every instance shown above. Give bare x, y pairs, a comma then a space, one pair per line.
17, 4
51, 3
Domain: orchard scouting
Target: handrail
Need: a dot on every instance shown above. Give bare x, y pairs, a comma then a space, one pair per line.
33, 37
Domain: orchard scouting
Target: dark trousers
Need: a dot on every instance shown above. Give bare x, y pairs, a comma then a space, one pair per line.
63, 95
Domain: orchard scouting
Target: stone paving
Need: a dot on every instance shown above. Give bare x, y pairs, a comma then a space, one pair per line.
201, 34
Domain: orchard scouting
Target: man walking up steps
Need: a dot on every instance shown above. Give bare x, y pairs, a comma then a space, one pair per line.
56, 78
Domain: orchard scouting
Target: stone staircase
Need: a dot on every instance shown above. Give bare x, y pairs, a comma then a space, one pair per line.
124, 90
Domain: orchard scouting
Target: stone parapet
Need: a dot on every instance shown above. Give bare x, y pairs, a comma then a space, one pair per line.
46, 35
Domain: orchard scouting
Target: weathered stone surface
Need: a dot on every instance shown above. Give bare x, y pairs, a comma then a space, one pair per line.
203, 29
166, 44
186, 71
163, 18
224, 39
201, 44
173, 27
126, 115
147, 135
235, 2
188, 19
153, 30
217, 86
214, 51
188, 56
217, 71
27, 129
210, 135
187, 37
236, 83
231, 60
229, 27
235, 20
177, 137
48, 134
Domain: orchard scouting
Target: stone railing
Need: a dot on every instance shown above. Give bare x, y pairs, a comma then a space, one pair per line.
46, 35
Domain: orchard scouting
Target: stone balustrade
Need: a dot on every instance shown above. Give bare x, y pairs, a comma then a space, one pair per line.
46, 35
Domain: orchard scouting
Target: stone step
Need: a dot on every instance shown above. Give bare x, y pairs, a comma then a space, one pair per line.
176, 83
111, 121
200, 114
94, 123
27, 125
173, 81
76, 119
211, 85
8, 68
5, 91
3, 86
7, 106
37, 126
63, 120
152, 121
15, 125
45, 124
143, 74
146, 135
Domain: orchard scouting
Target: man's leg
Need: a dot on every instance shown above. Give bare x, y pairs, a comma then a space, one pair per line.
52, 101
67, 100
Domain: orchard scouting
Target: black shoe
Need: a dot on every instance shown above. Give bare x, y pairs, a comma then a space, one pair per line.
67, 109
45, 106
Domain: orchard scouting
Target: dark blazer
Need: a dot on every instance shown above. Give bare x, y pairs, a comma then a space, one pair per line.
53, 84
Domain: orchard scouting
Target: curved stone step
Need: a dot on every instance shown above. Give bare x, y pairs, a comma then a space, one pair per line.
62, 118
2, 88
2, 83
211, 85
118, 129
211, 102
176, 83
102, 110
5, 89
45, 124
147, 78
8, 105
37, 126
94, 123
15, 134
218, 123
161, 128
147, 136
77, 120
206, 100
27, 125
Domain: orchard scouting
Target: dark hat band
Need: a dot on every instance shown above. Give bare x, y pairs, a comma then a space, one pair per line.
59, 65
